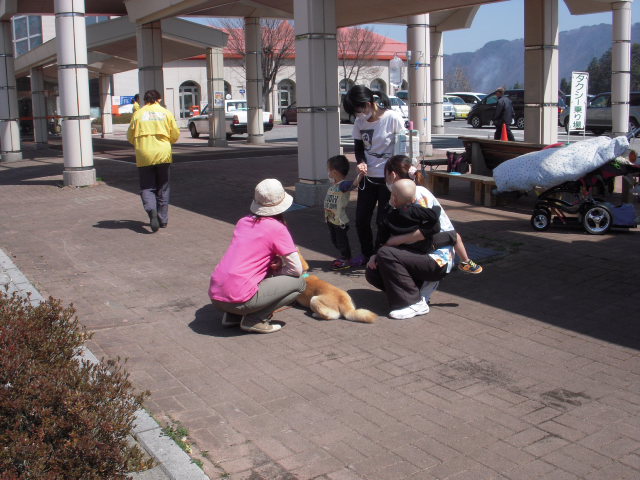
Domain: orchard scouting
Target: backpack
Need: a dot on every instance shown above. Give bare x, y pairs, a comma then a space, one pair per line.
457, 162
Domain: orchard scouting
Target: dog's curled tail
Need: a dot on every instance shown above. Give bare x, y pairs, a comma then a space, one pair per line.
361, 315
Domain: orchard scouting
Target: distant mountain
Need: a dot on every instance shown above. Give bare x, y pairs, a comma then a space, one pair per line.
501, 62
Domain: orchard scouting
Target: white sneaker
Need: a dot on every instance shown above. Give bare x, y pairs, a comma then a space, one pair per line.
411, 311
427, 290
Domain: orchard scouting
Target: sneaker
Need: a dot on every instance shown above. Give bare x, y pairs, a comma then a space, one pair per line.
427, 290
153, 220
470, 267
359, 261
411, 311
260, 327
231, 319
340, 264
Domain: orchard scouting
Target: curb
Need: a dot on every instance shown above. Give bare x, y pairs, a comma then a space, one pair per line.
172, 460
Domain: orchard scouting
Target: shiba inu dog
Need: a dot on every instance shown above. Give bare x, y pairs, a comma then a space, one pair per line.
329, 302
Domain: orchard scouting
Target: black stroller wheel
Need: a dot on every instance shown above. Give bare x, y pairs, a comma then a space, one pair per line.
540, 220
597, 220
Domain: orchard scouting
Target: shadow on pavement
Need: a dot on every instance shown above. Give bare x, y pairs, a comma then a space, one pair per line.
208, 320
134, 225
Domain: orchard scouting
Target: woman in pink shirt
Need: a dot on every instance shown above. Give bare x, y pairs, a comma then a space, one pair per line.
260, 271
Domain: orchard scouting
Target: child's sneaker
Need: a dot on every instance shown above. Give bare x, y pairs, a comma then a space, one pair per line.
340, 264
470, 267
359, 261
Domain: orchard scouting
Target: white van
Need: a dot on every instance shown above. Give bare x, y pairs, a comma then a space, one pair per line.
470, 98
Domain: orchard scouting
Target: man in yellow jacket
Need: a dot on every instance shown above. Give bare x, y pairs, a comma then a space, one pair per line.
136, 103
152, 130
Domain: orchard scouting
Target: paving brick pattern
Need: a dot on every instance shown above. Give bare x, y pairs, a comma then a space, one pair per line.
527, 371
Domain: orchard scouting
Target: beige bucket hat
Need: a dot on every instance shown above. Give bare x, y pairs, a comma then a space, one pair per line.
270, 198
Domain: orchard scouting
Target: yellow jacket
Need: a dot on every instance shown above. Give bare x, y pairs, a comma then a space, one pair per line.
136, 106
152, 130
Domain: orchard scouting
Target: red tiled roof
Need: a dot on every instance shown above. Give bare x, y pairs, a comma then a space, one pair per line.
389, 48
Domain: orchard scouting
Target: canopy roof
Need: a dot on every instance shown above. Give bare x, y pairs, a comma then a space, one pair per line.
111, 46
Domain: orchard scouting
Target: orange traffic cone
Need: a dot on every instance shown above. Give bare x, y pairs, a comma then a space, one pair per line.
504, 137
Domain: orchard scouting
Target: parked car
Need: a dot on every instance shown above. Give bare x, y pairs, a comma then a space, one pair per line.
289, 114
598, 119
235, 116
482, 113
470, 98
448, 110
461, 108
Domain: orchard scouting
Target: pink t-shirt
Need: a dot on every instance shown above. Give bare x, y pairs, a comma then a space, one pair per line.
246, 262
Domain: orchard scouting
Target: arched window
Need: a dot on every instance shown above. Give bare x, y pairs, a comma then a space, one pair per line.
189, 93
286, 94
227, 88
379, 84
404, 85
345, 85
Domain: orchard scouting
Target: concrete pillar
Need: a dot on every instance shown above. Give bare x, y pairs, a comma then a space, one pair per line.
253, 67
149, 48
419, 82
437, 81
215, 94
106, 102
620, 67
9, 118
73, 80
39, 108
541, 71
316, 96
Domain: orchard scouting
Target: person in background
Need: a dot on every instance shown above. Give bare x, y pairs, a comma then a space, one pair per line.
261, 270
152, 130
503, 115
136, 102
374, 132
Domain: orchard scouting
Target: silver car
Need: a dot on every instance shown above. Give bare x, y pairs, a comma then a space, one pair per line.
598, 117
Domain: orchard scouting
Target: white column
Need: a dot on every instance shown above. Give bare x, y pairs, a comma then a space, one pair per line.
149, 48
215, 84
9, 118
541, 71
316, 96
73, 80
253, 67
437, 81
419, 82
620, 67
106, 102
39, 108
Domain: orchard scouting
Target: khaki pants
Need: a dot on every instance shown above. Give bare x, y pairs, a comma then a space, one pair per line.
273, 293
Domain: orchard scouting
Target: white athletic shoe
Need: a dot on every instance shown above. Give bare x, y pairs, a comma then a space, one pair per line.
427, 290
411, 311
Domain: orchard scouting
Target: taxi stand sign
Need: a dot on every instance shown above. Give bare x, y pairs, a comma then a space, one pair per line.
578, 107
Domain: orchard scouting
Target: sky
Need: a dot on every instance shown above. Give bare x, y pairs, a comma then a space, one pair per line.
510, 17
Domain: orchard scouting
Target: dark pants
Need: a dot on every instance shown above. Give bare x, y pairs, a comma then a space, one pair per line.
400, 275
154, 189
340, 239
375, 191
498, 134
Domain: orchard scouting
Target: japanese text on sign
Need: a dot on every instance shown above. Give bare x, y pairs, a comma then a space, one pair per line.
578, 108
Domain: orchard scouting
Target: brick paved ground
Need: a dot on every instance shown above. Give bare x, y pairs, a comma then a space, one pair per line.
528, 371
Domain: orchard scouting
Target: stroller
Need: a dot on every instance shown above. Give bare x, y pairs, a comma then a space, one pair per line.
583, 201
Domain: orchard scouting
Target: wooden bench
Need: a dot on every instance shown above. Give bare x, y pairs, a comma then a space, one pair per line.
433, 163
438, 183
486, 154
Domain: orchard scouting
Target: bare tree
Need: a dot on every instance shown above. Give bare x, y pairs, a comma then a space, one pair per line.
460, 82
357, 48
278, 44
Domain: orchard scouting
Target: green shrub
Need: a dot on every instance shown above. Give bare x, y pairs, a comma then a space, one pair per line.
124, 118
60, 417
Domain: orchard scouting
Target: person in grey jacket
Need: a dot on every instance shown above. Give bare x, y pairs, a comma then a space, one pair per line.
504, 115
